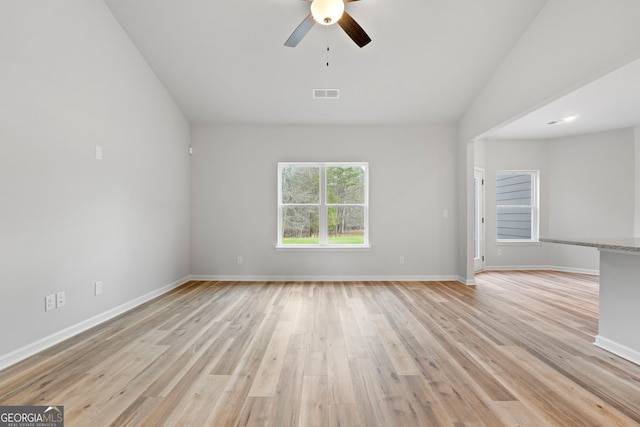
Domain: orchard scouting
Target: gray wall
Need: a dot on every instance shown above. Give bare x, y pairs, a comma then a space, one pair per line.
570, 43
70, 80
591, 192
412, 178
514, 155
586, 190
637, 181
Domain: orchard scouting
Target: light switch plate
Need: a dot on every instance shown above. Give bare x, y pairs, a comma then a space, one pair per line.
49, 302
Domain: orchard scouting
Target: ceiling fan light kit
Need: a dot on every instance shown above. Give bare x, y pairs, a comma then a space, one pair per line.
328, 12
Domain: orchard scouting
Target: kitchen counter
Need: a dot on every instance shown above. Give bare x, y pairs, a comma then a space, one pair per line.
619, 297
631, 244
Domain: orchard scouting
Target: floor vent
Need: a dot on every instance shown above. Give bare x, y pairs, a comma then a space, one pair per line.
326, 93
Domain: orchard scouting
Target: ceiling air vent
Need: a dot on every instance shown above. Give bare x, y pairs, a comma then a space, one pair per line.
326, 93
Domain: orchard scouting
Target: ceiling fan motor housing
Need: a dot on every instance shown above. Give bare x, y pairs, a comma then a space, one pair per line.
328, 12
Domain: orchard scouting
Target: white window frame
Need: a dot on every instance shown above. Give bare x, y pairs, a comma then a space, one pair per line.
324, 208
534, 207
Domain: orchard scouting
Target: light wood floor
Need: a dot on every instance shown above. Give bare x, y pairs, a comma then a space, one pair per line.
516, 351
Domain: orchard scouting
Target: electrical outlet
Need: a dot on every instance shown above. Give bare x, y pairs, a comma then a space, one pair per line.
239, 260
401, 260
49, 302
61, 299
99, 287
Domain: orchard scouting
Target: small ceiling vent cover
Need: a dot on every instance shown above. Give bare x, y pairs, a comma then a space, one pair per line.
326, 93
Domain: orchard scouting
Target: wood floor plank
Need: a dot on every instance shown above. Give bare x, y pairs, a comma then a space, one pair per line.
402, 361
368, 395
561, 394
429, 410
339, 377
289, 390
355, 343
517, 414
344, 415
256, 412
315, 401
199, 406
268, 373
516, 349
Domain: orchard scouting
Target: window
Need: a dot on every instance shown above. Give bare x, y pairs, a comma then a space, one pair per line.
323, 205
517, 206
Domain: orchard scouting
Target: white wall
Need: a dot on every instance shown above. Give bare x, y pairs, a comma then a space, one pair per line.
70, 79
637, 180
586, 190
412, 180
591, 192
465, 219
514, 155
569, 44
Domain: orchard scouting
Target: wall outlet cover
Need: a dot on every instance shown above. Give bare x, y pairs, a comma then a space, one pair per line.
61, 299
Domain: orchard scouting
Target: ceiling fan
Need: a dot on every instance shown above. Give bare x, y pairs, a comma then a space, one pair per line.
328, 12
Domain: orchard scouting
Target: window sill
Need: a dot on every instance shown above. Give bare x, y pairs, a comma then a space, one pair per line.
518, 242
319, 248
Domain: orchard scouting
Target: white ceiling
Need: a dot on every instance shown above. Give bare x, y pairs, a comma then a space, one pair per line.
611, 102
225, 61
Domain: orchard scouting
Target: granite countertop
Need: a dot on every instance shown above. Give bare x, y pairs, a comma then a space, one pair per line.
629, 244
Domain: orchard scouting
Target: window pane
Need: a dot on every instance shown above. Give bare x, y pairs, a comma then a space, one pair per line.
301, 184
345, 225
323, 204
300, 225
514, 189
345, 184
514, 223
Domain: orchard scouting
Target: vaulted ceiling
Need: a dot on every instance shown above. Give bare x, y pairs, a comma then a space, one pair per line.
610, 102
225, 61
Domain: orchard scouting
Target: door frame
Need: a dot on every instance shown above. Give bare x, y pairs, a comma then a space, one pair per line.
479, 219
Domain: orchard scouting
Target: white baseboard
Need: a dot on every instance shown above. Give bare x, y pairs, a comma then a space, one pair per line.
540, 268
575, 270
468, 282
618, 349
229, 278
44, 343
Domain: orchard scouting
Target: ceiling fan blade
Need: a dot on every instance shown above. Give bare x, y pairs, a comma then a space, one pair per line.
300, 31
353, 30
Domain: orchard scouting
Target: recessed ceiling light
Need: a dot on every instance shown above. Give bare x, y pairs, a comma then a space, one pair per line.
566, 119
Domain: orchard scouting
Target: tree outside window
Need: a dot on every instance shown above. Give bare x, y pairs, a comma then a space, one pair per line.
322, 204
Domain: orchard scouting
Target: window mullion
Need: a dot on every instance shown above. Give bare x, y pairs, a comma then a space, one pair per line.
322, 231
305, 211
